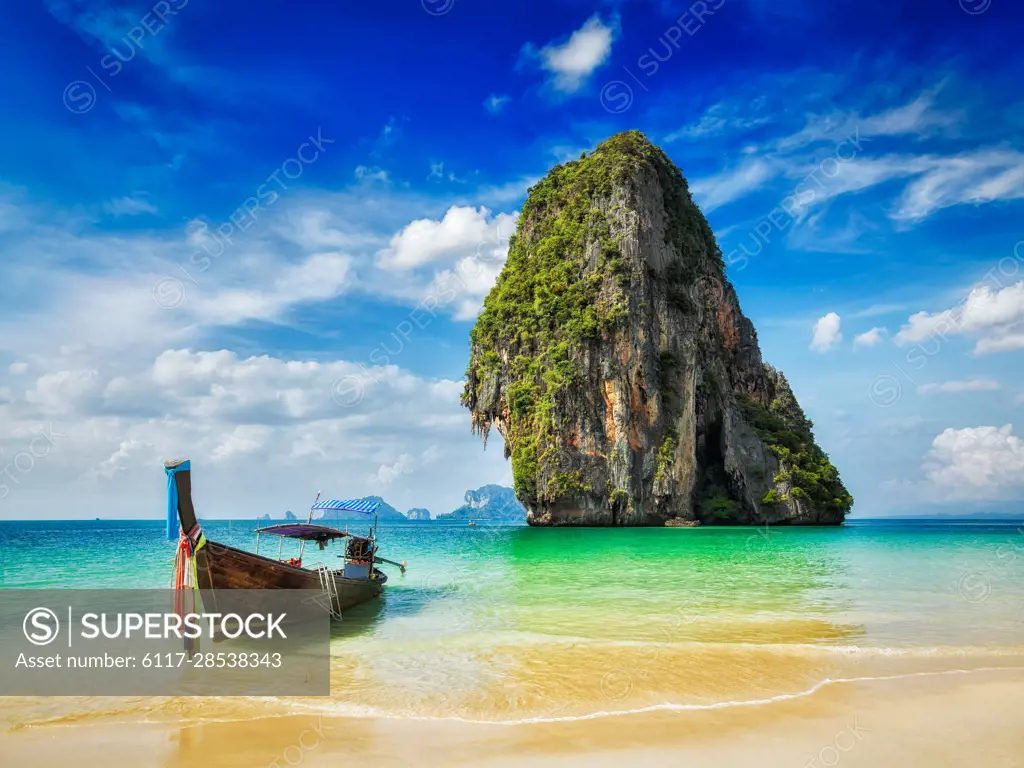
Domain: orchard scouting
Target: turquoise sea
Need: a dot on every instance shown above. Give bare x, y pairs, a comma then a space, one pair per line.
509, 623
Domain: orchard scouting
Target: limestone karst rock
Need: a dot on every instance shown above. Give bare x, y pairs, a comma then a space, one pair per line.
613, 358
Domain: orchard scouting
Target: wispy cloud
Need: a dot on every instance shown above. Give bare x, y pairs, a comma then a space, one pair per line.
957, 387
976, 178
726, 118
915, 118
129, 205
370, 173
877, 310
931, 181
495, 103
722, 188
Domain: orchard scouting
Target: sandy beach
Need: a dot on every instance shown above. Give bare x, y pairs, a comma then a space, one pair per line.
946, 719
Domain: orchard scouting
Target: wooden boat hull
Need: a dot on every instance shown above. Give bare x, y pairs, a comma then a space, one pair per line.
222, 567
232, 568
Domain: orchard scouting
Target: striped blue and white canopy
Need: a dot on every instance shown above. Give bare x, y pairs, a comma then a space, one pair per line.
350, 505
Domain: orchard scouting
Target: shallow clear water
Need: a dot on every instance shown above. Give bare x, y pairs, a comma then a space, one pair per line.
498, 622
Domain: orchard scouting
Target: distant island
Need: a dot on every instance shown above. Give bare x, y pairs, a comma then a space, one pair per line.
385, 512
489, 502
289, 516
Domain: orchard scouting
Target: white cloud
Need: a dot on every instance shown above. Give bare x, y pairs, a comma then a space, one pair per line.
63, 391
980, 462
996, 316
118, 461
869, 338
128, 206
471, 279
388, 473
572, 62
826, 333
463, 231
1006, 342
956, 387
495, 103
263, 429
16, 369
243, 439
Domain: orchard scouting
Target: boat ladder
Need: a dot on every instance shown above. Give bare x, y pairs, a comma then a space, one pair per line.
330, 590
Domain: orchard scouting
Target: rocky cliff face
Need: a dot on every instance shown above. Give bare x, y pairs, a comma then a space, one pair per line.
417, 513
613, 358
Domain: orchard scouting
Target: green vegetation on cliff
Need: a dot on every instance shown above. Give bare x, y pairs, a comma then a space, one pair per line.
787, 432
546, 301
542, 293
665, 455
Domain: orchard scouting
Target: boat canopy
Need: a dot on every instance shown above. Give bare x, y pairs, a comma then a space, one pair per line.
304, 531
348, 505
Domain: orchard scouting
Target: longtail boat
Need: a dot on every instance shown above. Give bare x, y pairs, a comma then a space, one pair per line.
204, 564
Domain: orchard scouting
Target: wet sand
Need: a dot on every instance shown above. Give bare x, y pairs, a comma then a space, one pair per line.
933, 720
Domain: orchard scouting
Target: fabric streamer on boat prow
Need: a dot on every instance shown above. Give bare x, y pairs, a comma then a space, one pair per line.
172, 468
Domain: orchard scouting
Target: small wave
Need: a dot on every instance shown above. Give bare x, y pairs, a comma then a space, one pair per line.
289, 707
868, 650
515, 640
344, 710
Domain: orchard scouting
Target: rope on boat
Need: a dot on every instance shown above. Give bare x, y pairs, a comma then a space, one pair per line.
186, 578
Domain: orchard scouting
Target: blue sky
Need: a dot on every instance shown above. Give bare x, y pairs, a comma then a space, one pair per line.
258, 235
